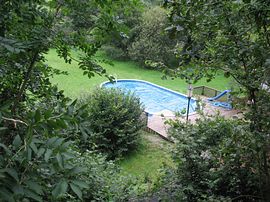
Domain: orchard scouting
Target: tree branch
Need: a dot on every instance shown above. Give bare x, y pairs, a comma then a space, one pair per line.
15, 121
25, 81
266, 34
245, 196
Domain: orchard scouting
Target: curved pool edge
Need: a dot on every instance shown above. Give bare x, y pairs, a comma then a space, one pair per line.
158, 86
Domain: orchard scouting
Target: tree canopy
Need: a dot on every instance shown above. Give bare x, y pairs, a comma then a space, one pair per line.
38, 162
232, 37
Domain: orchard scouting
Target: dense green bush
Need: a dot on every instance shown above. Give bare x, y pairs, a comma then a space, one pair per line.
36, 162
152, 43
114, 52
216, 160
114, 121
120, 40
40, 162
105, 179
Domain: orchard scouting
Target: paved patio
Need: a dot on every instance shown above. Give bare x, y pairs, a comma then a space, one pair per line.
156, 122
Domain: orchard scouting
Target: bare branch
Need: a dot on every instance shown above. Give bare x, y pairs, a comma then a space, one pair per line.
15, 121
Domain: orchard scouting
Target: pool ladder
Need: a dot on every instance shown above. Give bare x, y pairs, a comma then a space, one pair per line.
115, 78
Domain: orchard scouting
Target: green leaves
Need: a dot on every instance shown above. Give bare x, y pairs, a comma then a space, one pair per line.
17, 142
41, 152
76, 190
37, 116
48, 154
113, 122
32, 195
6, 195
59, 160
80, 184
211, 154
12, 172
37, 162
226, 36
151, 43
76, 186
227, 74
12, 45
60, 189
35, 187
5, 148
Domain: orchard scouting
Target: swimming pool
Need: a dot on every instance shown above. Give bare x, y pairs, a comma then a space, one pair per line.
155, 98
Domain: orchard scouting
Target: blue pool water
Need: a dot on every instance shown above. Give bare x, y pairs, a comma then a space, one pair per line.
154, 98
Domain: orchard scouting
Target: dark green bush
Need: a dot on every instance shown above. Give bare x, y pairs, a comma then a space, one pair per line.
152, 44
105, 179
114, 121
216, 160
36, 162
41, 164
114, 52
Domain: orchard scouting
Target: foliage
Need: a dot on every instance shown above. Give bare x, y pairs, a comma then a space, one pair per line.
167, 189
232, 36
216, 160
128, 17
41, 163
150, 3
37, 160
115, 121
228, 35
152, 44
105, 180
114, 53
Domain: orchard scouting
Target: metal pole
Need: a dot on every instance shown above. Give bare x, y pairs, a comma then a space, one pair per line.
188, 107
146, 113
189, 97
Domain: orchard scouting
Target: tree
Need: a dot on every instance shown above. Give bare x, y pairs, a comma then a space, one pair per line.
152, 44
232, 36
117, 47
37, 160
215, 160
227, 35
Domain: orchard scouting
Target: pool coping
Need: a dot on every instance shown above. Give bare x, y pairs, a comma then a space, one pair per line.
158, 86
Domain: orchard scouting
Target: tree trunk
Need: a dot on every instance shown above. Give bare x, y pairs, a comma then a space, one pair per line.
24, 82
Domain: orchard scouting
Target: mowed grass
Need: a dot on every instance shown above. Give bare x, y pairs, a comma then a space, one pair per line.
146, 161
76, 83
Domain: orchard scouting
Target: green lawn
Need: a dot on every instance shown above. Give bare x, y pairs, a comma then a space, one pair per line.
75, 83
152, 153
147, 160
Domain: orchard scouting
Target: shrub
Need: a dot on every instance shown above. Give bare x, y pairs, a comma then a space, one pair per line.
37, 163
114, 120
152, 44
105, 179
216, 160
114, 52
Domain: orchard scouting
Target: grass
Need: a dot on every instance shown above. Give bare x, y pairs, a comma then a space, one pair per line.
75, 83
152, 153
146, 161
